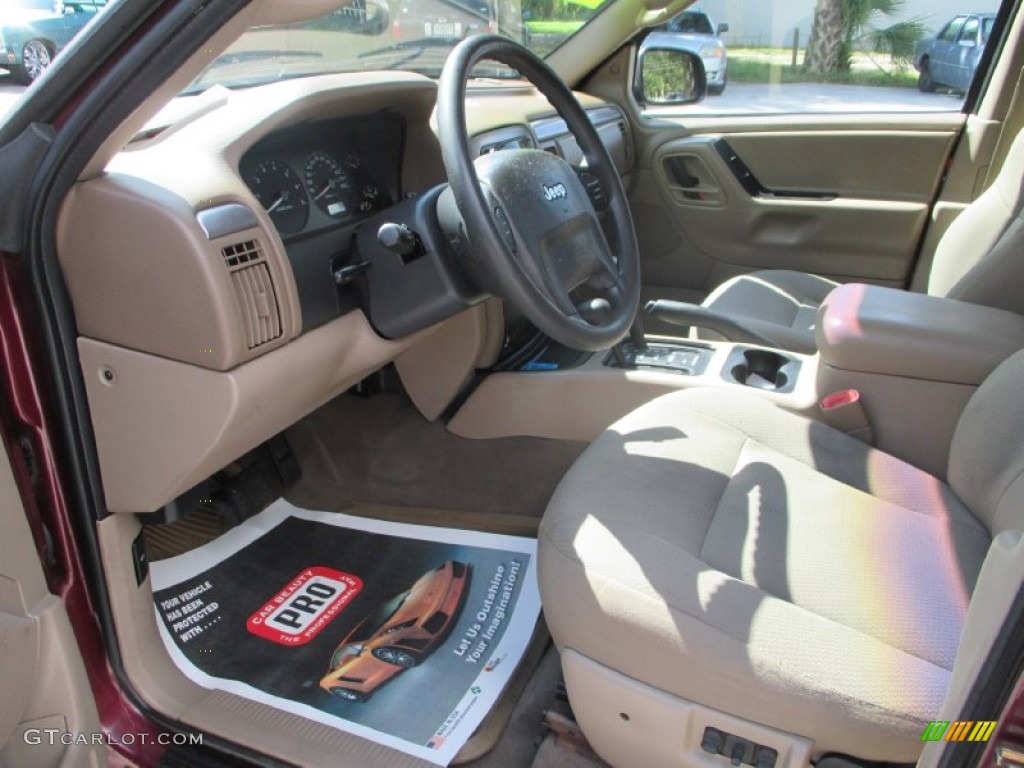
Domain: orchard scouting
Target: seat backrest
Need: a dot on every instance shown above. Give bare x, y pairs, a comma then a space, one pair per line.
986, 458
980, 259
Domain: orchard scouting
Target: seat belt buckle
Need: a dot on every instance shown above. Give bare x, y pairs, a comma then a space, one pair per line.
844, 411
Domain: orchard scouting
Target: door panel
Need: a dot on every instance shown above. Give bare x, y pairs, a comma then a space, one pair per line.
846, 203
47, 714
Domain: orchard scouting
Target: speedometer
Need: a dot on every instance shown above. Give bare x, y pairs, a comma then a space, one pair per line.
280, 192
328, 184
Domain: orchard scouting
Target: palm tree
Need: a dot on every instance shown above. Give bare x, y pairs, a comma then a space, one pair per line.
825, 43
842, 26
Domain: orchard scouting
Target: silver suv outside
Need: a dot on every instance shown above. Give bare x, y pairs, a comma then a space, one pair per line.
694, 31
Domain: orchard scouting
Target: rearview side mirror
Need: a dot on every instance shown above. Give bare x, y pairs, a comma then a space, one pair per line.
723, 28
668, 76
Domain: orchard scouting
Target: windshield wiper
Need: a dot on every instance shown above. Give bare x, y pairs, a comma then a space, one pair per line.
201, 83
244, 57
407, 52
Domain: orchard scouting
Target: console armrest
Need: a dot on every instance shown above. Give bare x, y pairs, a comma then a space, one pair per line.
882, 330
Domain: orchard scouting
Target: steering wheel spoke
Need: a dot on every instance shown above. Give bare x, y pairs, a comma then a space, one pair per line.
533, 220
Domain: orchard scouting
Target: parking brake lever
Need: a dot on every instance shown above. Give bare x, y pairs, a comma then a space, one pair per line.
686, 314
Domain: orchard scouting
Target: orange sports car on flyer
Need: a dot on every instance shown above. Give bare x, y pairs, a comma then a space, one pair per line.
399, 634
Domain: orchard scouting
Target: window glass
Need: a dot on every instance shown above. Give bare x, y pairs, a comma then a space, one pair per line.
410, 35
970, 30
33, 33
379, 618
827, 56
691, 23
948, 35
986, 28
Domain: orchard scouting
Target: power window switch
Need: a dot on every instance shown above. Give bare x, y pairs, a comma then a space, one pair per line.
712, 741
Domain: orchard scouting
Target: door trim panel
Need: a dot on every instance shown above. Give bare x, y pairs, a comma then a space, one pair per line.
833, 203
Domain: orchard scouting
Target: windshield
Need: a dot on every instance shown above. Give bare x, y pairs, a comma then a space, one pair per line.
411, 35
352, 649
691, 23
371, 626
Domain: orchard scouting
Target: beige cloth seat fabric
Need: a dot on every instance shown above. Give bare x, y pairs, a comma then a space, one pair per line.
978, 260
780, 304
742, 557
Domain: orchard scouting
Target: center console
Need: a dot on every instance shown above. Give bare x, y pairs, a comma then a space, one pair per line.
893, 368
578, 403
769, 370
915, 361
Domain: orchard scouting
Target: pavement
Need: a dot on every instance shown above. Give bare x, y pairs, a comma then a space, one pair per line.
744, 98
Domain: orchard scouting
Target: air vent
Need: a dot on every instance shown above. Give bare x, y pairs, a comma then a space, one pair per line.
254, 292
242, 253
626, 148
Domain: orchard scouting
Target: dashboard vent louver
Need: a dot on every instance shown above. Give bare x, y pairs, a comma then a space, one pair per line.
254, 292
242, 253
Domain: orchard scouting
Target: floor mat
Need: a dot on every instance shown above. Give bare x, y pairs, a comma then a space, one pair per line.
192, 530
414, 630
380, 450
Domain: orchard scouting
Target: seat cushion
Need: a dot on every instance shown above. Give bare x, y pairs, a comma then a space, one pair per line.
739, 556
779, 304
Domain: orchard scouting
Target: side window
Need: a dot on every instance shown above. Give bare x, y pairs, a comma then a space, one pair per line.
33, 35
948, 35
969, 33
827, 56
986, 28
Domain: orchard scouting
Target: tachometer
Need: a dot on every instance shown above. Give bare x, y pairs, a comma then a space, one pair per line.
279, 190
328, 184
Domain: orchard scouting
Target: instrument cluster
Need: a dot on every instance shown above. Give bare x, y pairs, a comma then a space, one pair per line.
315, 176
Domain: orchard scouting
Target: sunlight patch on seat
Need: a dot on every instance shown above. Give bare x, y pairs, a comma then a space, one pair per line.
708, 584
594, 536
884, 482
748, 558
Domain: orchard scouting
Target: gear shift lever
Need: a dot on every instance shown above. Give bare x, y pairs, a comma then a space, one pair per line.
637, 341
636, 334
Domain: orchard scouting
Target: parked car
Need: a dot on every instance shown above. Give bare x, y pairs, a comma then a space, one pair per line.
30, 36
951, 58
399, 634
444, 21
694, 31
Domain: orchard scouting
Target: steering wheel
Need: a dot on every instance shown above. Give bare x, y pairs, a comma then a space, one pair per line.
532, 225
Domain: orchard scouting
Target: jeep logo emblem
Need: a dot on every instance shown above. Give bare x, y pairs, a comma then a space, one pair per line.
557, 192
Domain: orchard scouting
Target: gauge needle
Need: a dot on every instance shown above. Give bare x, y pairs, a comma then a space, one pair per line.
324, 191
276, 205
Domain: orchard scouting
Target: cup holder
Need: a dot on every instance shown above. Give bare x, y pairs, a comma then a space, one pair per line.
763, 369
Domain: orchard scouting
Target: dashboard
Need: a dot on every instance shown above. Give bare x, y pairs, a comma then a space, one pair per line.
315, 177
202, 264
317, 182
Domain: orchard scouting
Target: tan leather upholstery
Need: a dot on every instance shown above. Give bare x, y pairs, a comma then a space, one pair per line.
732, 554
978, 260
